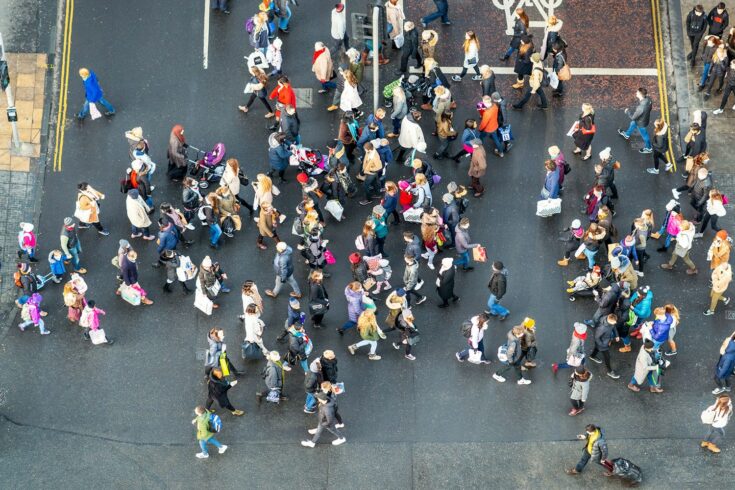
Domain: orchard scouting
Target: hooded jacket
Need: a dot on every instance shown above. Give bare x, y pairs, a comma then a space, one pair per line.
696, 24
660, 329
604, 333
726, 363
642, 309
354, 303
718, 22
273, 376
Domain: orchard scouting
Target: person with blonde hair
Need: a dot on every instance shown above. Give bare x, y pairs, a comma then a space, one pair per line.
471, 48
370, 332
684, 241
584, 132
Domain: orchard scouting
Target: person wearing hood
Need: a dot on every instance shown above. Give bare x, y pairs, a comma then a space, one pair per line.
27, 242
92, 94
580, 384
684, 242
338, 28
641, 306
497, 287
576, 353
551, 35
595, 448
515, 356
660, 146
410, 47
31, 314
535, 84
445, 282
646, 368
718, 20
721, 278
604, 335
217, 388
411, 137
725, 365
639, 120
177, 162
696, 23
327, 420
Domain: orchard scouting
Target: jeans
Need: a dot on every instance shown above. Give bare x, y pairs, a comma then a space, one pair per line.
412, 292
372, 343
290, 280
509, 52
590, 254
310, 403
584, 460
102, 101
331, 428
41, 325
215, 232
715, 435
644, 133
214, 442
30, 251
466, 353
649, 378
328, 84
283, 21
396, 125
464, 70
443, 147
463, 259
371, 186
495, 308
705, 74
442, 10
74, 252
339, 42
220, 5
146, 231
348, 324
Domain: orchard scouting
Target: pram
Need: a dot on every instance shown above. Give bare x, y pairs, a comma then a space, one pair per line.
414, 86
585, 286
309, 161
208, 166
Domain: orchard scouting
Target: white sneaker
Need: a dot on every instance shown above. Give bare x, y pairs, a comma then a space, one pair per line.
374, 357
669, 166
524, 381
307, 444
639, 273
190, 226
698, 235
223, 449
431, 265
286, 367
652, 170
339, 426
337, 442
498, 378
717, 111
420, 284
675, 193
425, 255
312, 431
202, 456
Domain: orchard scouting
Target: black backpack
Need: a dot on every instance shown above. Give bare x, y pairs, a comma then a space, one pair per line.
544, 78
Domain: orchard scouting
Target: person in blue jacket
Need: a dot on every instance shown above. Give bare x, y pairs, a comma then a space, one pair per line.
725, 365
93, 94
551, 184
640, 304
469, 133
278, 156
661, 327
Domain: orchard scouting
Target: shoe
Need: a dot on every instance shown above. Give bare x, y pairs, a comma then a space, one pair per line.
698, 235
645, 151
594, 359
423, 24
573, 412
468, 268
530, 364
502, 318
656, 389
447, 23
717, 111
410, 357
667, 266
672, 353
653, 171
309, 410
613, 375
456, 354
339, 441
571, 471
238, 413
477, 77
225, 289
202, 456
498, 378
703, 444
633, 387
136, 235
726, 301
713, 448
518, 85
563, 262
669, 166
223, 449
374, 357
103, 232
717, 391
307, 444
351, 349
456, 78
555, 368
675, 193
524, 381
322, 91
625, 348
312, 431
286, 367
622, 133
339, 426
423, 298
21, 327
692, 272
365, 202
295, 295
420, 284
396, 346
708, 312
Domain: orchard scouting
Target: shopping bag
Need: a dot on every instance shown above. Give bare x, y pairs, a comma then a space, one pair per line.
97, 336
335, 209
213, 290
413, 215
130, 294
94, 112
505, 133
548, 207
186, 269
553, 80
251, 350
479, 254
399, 40
475, 356
203, 303
329, 257
224, 364
708, 416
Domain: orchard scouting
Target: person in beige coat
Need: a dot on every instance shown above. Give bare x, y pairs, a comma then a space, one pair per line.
535, 82
721, 277
322, 67
478, 166
231, 178
264, 190
429, 38
267, 223
87, 209
395, 18
138, 211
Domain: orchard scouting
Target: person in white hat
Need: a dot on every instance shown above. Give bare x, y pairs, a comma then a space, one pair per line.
576, 351
572, 238
27, 242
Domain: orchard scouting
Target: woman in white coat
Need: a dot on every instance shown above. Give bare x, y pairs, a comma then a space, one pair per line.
231, 180
137, 211
350, 99
471, 57
254, 327
411, 136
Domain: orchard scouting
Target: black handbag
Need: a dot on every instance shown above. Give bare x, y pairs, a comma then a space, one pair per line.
318, 307
243, 179
251, 350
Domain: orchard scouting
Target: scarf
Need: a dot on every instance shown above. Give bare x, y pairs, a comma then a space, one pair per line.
316, 55
580, 336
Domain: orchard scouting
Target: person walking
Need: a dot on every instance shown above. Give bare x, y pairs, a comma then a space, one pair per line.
729, 88
463, 245
714, 209
71, 245
327, 420
580, 384
445, 282
471, 48
639, 120
721, 278
410, 47
217, 388
93, 94
523, 64
719, 250
514, 355
411, 280
595, 448
725, 365
395, 17
520, 30
716, 416
138, 211
256, 89
283, 268
234, 178
370, 332
338, 28
478, 167
87, 208
318, 298
696, 23
646, 368
576, 352
273, 375
497, 286
442, 11
89, 319
604, 335
475, 332
660, 146
31, 314
267, 224
684, 242
551, 36
129, 273
322, 67
584, 131
27, 242
205, 435
535, 84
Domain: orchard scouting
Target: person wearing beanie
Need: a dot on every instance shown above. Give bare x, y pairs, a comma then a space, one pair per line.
535, 84
576, 352
572, 237
283, 268
410, 47
92, 94
27, 242
580, 383
646, 368
31, 314
639, 120
497, 286
529, 346
273, 375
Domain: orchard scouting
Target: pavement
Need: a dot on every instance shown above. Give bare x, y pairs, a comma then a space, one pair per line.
425, 424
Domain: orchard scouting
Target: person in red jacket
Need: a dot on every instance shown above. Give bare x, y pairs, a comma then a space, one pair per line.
284, 95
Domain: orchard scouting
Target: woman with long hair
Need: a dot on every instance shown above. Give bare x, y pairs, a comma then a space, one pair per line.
177, 164
660, 146
256, 87
584, 132
318, 298
370, 332
471, 48
716, 416
250, 296
580, 384
520, 29
350, 99
431, 223
713, 210
523, 65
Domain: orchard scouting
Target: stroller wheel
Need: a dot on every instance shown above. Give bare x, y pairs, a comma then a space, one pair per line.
203, 184
572, 298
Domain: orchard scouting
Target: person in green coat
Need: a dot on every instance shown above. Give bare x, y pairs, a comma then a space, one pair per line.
204, 434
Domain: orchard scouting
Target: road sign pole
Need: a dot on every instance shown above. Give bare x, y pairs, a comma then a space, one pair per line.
376, 56
11, 105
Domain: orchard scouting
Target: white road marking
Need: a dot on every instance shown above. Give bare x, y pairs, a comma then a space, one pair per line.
508, 70
205, 59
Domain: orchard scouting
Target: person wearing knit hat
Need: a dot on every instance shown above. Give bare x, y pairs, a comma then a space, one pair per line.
27, 242
529, 346
576, 352
536, 80
497, 286
92, 94
572, 237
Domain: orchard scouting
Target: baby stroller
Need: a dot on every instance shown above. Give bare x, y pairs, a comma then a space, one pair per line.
413, 87
208, 167
587, 285
309, 161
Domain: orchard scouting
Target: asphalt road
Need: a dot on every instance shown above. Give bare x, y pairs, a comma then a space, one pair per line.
120, 416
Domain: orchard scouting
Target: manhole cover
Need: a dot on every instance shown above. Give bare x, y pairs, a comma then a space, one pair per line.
304, 98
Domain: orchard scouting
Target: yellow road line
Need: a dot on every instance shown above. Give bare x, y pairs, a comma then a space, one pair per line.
64, 86
662, 88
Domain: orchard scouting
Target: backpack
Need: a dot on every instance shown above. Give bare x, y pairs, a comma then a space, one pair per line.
466, 328
126, 184
25, 313
567, 168
16, 280
544, 77
215, 423
201, 215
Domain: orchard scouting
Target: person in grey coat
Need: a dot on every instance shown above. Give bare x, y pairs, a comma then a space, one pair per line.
580, 384
283, 268
215, 340
463, 245
290, 125
639, 119
646, 368
273, 377
327, 420
604, 335
411, 281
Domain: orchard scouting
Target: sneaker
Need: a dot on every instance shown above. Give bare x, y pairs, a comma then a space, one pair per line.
456, 78
456, 354
423, 298
613, 375
698, 235
717, 111
708, 312
202, 456
103, 232
46, 332
309, 410
238, 413
477, 77
431, 265
312, 431
498, 378
374, 357
717, 391
672, 353
524, 381
622, 133
136, 235
339, 426
726, 301
595, 359
645, 151
223, 449
410, 357
572, 412
339, 441
420, 284
21, 327
351, 349
365, 202
669, 166
653, 171
675, 193
307, 444
286, 367
633, 387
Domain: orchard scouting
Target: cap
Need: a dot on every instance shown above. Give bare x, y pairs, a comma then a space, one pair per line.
24, 267
339, 7
580, 328
354, 258
281, 246
528, 322
576, 224
401, 292
447, 261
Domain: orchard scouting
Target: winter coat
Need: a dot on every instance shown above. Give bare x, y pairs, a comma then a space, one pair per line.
253, 329
213, 352
604, 333
283, 264
598, 451
478, 163
411, 137
278, 157
329, 369
537, 77
551, 183
519, 30
273, 376
394, 16
696, 24
367, 330
471, 55
92, 90
297, 344
446, 283
684, 241
354, 303
202, 423
350, 98
515, 350
411, 276
642, 113
413, 248
400, 108
643, 309
700, 191
217, 389
488, 85
167, 239
87, 201
129, 271
721, 417
726, 363
718, 22
660, 329
339, 24
410, 42
523, 64
231, 180
313, 379
580, 388
266, 222
719, 253
660, 141
497, 283
462, 240
327, 413
721, 277
322, 66
290, 126
644, 364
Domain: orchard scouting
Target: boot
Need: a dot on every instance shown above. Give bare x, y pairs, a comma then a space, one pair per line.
563, 262
518, 85
167, 287
713, 448
625, 348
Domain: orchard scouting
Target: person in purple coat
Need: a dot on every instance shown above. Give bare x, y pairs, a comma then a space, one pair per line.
93, 94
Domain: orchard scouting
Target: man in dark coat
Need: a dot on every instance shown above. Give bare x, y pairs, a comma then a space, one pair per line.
696, 24
604, 334
445, 282
497, 287
328, 362
639, 120
217, 387
410, 47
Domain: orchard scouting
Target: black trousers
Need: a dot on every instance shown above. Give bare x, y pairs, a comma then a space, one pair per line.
527, 97
694, 42
658, 157
405, 55
605, 357
705, 221
725, 94
252, 98
227, 404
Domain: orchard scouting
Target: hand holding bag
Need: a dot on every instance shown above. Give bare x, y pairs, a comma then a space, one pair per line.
708, 416
475, 356
202, 303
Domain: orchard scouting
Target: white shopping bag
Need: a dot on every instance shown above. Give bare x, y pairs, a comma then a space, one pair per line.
94, 112
203, 303
548, 207
97, 336
475, 356
413, 215
335, 209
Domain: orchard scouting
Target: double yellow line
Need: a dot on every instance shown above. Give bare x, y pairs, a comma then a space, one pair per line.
662, 90
64, 86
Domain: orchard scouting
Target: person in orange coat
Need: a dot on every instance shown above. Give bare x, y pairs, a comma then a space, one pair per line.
489, 123
284, 94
